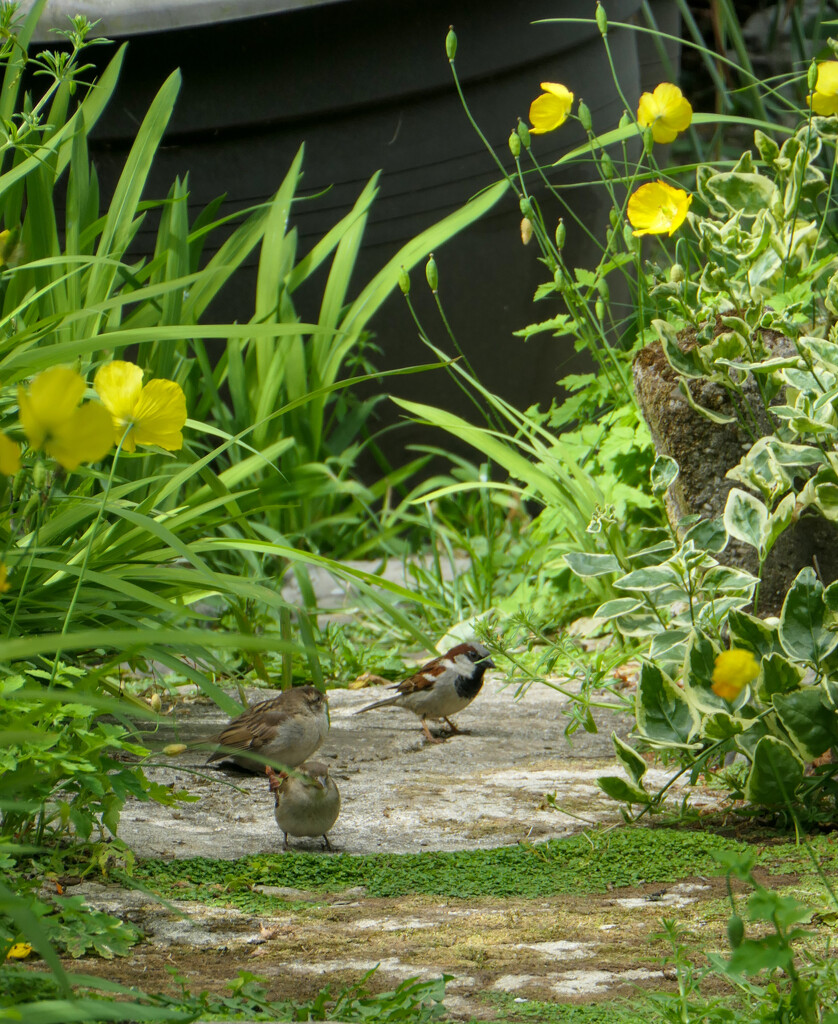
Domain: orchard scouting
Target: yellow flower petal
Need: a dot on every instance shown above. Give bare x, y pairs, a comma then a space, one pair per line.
550, 110
160, 415
665, 111
9, 456
87, 436
119, 384
732, 672
657, 208
49, 402
824, 100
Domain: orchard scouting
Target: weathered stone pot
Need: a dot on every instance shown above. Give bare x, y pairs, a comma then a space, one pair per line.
366, 85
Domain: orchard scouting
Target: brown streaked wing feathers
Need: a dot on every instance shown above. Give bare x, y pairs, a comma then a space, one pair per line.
252, 729
424, 678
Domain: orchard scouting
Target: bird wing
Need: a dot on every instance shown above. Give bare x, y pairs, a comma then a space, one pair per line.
251, 730
421, 680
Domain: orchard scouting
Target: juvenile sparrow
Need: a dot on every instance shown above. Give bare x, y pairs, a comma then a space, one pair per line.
286, 729
307, 801
442, 687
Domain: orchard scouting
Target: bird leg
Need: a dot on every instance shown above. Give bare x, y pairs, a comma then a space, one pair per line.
326, 844
427, 731
451, 725
285, 842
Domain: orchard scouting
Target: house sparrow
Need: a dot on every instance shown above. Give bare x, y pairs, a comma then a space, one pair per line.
307, 801
286, 729
442, 687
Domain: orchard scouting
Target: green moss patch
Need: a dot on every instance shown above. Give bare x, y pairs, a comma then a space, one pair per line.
579, 864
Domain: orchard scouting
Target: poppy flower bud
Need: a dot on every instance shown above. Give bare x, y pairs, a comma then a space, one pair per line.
526, 230
607, 165
677, 273
601, 19
614, 217
404, 281
599, 309
625, 120
155, 703
18, 484
515, 144
432, 274
523, 134
628, 237
173, 749
526, 208
735, 931
39, 475
812, 76
451, 43
561, 234
648, 141
585, 116
603, 289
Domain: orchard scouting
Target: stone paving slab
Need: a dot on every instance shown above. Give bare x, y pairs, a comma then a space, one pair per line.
400, 794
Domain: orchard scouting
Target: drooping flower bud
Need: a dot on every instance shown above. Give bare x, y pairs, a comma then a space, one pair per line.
526, 208
607, 165
515, 144
432, 274
603, 289
812, 76
173, 749
39, 475
451, 43
677, 273
585, 116
561, 234
526, 230
614, 217
524, 134
625, 120
601, 19
404, 281
648, 141
599, 309
155, 703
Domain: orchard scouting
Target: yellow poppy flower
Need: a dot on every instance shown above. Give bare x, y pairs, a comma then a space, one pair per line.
666, 111
9, 456
824, 100
5, 238
19, 951
4, 584
550, 110
732, 672
53, 420
155, 413
657, 208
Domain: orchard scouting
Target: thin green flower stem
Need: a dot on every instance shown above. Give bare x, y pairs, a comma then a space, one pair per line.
578, 305
798, 196
825, 216
614, 75
29, 555
424, 337
476, 128
735, 35
91, 538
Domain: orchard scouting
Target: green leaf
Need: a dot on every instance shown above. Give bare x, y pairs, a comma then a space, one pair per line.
653, 577
804, 632
777, 675
775, 773
746, 518
628, 757
811, 724
707, 535
699, 664
752, 634
663, 474
619, 606
743, 193
623, 791
584, 564
715, 417
663, 715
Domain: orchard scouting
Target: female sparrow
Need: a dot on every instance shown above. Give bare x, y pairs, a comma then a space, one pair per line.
285, 729
442, 687
307, 801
